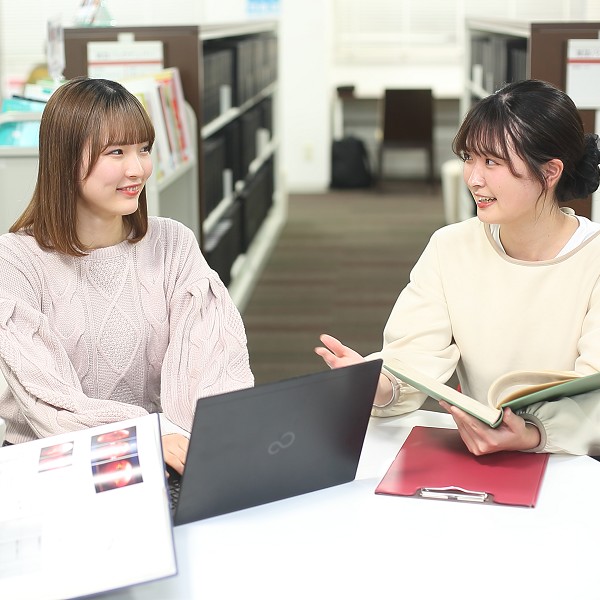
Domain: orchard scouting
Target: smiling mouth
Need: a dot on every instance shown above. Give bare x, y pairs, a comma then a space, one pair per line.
481, 201
130, 189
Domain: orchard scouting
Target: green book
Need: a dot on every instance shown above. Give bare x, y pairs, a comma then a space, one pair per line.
516, 389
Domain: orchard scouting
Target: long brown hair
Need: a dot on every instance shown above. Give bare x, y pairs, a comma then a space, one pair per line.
82, 117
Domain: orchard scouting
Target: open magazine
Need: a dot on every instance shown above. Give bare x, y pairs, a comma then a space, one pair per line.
84, 512
516, 389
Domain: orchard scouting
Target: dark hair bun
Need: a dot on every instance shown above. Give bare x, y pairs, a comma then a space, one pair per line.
587, 175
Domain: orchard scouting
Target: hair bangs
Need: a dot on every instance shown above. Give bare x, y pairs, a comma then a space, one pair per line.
122, 121
126, 127
488, 132
484, 138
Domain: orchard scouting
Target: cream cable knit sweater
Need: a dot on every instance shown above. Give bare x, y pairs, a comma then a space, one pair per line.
126, 330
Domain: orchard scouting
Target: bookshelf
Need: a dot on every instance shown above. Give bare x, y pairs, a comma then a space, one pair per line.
502, 51
232, 196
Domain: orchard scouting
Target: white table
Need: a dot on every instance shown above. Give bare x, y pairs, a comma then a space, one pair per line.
346, 542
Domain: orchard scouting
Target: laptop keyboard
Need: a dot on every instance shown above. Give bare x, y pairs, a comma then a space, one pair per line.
174, 485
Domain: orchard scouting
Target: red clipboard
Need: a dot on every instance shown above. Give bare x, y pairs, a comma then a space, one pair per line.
435, 463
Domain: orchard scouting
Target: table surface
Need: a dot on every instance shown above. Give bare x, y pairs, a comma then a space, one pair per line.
347, 542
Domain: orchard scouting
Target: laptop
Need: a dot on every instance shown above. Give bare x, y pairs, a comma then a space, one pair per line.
275, 441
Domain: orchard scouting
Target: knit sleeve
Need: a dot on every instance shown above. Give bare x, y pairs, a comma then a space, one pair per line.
207, 352
42, 379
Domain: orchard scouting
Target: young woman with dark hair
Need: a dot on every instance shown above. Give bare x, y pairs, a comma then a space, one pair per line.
515, 288
105, 313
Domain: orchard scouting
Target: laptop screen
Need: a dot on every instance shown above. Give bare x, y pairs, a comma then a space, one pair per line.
276, 440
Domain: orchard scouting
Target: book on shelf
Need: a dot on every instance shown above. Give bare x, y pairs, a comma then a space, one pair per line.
40, 90
85, 512
516, 389
161, 94
174, 109
146, 91
434, 463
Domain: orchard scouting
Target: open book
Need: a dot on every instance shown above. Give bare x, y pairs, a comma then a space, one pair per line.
84, 512
516, 389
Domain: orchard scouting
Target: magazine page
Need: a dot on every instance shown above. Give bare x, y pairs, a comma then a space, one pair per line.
84, 512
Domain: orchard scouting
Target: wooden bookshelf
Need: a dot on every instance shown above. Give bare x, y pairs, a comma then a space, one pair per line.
246, 102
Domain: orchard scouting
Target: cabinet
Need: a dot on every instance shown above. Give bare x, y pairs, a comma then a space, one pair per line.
231, 196
499, 52
18, 173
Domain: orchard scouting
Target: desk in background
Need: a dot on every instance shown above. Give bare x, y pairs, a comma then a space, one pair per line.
360, 115
347, 542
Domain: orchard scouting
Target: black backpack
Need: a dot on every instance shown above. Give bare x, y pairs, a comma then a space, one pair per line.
350, 164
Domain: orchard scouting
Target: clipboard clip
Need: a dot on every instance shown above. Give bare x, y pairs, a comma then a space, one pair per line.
454, 493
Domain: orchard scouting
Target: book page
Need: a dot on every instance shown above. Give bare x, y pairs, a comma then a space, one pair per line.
515, 384
84, 512
571, 388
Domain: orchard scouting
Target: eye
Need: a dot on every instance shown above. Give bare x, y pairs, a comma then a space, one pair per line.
146, 149
490, 162
465, 156
114, 151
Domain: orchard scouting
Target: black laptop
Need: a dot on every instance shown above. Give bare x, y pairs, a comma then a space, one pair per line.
274, 441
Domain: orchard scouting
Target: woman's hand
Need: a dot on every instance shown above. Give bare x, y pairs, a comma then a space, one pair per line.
514, 433
175, 447
335, 354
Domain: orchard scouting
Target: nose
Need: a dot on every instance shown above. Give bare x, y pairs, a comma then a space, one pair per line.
473, 175
134, 167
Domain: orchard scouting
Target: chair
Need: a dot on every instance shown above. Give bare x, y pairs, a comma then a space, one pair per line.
407, 122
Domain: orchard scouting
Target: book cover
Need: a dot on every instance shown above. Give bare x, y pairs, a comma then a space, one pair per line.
435, 463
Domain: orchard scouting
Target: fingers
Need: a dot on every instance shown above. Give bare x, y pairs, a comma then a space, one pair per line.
445, 405
175, 447
331, 360
333, 350
332, 344
474, 434
335, 354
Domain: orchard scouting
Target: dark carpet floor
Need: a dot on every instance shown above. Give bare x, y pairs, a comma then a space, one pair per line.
337, 268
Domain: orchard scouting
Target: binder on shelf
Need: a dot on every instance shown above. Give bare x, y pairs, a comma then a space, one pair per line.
254, 64
256, 200
218, 77
249, 125
224, 243
233, 154
435, 463
214, 166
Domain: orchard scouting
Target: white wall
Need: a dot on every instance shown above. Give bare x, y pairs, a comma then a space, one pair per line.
306, 97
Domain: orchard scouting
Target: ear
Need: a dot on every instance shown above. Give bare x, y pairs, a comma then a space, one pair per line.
552, 171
